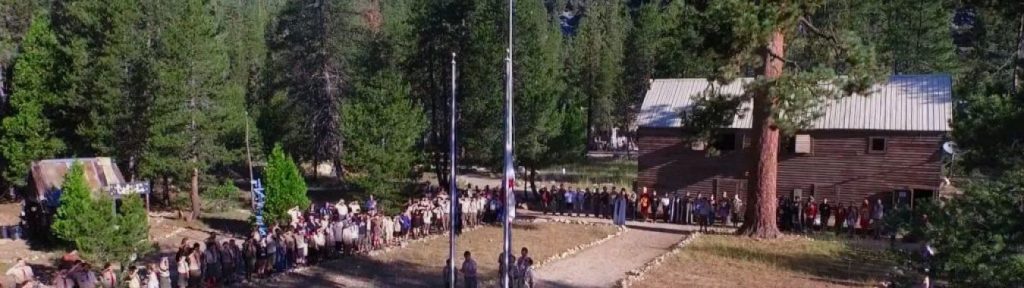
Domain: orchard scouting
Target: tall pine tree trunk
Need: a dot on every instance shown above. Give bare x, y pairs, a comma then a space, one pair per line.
1018, 60
761, 221
194, 196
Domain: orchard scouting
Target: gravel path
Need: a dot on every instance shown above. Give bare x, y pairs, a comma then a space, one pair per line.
605, 264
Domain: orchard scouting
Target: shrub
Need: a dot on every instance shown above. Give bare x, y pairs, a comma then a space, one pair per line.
91, 225
285, 187
221, 197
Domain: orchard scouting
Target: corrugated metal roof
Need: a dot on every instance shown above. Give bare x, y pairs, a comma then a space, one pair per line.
904, 103
100, 172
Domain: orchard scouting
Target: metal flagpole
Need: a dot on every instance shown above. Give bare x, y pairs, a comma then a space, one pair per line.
508, 177
452, 186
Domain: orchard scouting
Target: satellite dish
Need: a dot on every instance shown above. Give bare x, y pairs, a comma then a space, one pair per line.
949, 147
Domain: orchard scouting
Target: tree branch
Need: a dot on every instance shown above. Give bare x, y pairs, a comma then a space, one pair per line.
814, 29
783, 58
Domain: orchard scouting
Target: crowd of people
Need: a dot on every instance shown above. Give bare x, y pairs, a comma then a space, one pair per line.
644, 205
326, 231
322, 232
809, 216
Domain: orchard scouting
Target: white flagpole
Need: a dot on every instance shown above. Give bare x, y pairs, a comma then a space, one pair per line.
507, 180
452, 186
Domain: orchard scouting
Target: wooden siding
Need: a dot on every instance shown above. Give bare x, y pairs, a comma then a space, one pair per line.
839, 166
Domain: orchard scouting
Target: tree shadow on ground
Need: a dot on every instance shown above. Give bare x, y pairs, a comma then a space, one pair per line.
236, 227
851, 265
360, 271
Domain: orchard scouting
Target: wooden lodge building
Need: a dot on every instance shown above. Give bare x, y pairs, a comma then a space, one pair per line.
886, 145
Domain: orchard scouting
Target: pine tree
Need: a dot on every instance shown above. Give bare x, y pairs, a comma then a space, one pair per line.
537, 72
26, 134
193, 117
285, 187
439, 30
72, 220
599, 47
18, 16
131, 236
314, 40
384, 122
481, 88
678, 46
105, 78
641, 55
739, 35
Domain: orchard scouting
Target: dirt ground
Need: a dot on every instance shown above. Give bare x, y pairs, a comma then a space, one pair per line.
792, 262
421, 264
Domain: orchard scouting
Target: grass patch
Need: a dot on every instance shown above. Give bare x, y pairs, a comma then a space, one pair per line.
729, 261
620, 173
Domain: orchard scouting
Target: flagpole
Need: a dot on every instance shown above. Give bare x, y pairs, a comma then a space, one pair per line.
452, 186
508, 167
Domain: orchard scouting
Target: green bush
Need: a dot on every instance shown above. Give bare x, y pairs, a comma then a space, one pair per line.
91, 225
221, 197
76, 207
285, 187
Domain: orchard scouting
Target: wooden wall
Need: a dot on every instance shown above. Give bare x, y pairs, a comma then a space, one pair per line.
839, 167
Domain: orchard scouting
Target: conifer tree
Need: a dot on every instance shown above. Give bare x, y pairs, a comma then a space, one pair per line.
537, 45
193, 117
439, 29
18, 16
74, 215
641, 54
314, 40
285, 187
104, 77
481, 89
788, 93
599, 47
384, 122
26, 134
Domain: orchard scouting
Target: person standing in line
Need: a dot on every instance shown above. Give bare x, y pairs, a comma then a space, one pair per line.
877, 215
183, 270
852, 216
21, 272
468, 270
545, 199
211, 261
840, 218
737, 210
865, 218
620, 209
108, 279
644, 204
131, 279
825, 210
164, 272
447, 273
710, 206
581, 198
152, 276
524, 270
570, 199
811, 215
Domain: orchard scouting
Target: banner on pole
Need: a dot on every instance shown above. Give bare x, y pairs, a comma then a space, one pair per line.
259, 199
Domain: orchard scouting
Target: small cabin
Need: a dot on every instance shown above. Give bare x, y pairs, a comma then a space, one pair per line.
886, 145
46, 177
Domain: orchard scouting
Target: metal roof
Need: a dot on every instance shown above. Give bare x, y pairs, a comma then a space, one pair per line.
100, 172
904, 103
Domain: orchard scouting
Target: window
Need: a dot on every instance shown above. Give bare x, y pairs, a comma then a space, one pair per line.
802, 144
877, 145
725, 142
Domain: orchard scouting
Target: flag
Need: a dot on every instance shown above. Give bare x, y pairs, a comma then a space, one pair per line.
510, 184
